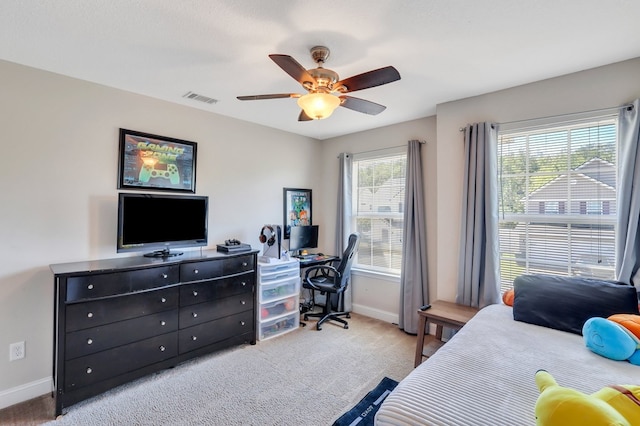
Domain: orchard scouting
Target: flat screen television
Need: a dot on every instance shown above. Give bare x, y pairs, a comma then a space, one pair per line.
303, 237
159, 223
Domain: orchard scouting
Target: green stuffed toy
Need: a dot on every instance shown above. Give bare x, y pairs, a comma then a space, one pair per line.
610, 406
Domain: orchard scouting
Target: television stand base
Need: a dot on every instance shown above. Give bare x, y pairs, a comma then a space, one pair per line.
163, 253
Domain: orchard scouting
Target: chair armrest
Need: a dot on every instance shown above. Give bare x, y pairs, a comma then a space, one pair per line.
323, 269
326, 271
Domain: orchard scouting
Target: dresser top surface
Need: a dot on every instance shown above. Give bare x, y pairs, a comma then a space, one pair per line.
107, 265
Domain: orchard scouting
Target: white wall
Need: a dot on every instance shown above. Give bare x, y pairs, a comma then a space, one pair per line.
58, 186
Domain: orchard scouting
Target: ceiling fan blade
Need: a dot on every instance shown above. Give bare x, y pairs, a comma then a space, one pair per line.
304, 117
273, 96
293, 68
361, 105
369, 79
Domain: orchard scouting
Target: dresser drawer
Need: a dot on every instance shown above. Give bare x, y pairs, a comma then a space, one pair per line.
83, 315
100, 285
214, 289
92, 340
196, 271
233, 265
215, 331
94, 368
217, 308
239, 284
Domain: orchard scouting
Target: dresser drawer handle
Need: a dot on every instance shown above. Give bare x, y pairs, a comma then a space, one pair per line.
163, 323
164, 276
195, 271
242, 323
89, 370
163, 300
244, 284
242, 302
89, 341
194, 338
195, 293
90, 315
90, 286
244, 264
162, 348
195, 314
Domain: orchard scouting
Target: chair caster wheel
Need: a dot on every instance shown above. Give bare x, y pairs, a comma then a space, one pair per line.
348, 316
306, 317
318, 328
346, 326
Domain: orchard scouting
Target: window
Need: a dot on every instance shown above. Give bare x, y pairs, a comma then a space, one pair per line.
558, 200
378, 209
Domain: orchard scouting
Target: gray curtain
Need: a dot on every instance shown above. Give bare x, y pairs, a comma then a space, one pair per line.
627, 241
414, 288
343, 221
479, 274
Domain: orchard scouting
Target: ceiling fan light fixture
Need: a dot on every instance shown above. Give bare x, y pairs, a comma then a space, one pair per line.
318, 105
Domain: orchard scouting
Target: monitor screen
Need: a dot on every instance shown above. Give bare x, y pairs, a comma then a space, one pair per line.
303, 237
160, 222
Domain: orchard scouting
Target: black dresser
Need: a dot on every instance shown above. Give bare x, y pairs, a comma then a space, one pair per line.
116, 320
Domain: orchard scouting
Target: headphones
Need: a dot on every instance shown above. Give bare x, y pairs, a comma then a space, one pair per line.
272, 236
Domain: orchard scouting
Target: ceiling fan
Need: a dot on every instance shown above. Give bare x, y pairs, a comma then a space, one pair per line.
325, 91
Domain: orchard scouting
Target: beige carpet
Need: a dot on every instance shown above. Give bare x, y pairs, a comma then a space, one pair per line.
304, 377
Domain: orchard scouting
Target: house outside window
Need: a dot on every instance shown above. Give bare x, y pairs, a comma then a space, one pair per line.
557, 201
378, 209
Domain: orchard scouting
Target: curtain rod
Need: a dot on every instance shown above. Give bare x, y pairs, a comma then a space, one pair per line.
601, 110
383, 149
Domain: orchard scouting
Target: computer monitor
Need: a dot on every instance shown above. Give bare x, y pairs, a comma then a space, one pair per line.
303, 237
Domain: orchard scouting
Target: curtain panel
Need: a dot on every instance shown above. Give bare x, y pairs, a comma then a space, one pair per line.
479, 261
414, 288
627, 240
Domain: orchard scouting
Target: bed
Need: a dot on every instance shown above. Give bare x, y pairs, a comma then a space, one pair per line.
484, 375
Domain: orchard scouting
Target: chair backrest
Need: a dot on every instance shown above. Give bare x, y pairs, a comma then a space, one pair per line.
347, 260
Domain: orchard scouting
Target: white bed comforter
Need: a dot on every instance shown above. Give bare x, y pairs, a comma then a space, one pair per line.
485, 374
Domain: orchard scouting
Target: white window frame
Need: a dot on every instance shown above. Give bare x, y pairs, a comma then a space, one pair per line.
594, 209
395, 217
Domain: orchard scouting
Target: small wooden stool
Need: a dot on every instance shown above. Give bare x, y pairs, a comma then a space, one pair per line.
442, 314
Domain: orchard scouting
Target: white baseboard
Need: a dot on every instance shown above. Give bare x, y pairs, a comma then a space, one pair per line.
389, 317
25, 392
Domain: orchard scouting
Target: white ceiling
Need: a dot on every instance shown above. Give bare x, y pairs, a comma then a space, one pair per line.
444, 49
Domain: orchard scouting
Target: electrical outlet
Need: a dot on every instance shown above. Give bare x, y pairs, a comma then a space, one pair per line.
16, 351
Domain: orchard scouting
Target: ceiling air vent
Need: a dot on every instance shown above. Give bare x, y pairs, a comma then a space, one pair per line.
200, 98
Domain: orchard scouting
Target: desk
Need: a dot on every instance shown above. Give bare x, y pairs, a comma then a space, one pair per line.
318, 260
442, 314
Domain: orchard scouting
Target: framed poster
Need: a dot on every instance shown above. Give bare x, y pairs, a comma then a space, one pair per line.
297, 208
156, 162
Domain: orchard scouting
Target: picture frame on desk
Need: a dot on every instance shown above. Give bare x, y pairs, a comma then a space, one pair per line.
296, 209
148, 161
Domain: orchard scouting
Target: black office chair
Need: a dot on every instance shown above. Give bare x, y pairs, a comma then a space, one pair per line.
332, 281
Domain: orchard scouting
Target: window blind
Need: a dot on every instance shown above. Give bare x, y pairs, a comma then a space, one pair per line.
378, 209
557, 199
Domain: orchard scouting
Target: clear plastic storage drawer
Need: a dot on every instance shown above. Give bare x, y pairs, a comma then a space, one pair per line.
279, 289
278, 308
278, 271
279, 326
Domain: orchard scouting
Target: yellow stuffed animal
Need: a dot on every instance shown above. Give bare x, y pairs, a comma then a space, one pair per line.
610, 406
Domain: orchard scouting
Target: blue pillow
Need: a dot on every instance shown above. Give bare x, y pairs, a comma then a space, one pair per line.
608, 339
566, 303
